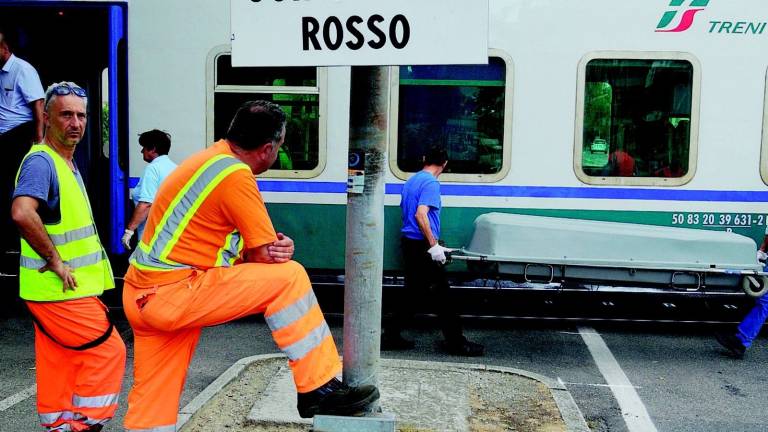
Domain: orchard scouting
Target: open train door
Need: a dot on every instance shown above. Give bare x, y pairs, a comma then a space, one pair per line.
84, 42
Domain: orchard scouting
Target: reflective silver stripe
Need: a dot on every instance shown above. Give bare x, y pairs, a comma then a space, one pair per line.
68, 415
48, 418
227, 255
31, 263
298, 350
291, 313
187, 201
143, 258
75, 263
70, 236
86, 260
95, 401
169, 428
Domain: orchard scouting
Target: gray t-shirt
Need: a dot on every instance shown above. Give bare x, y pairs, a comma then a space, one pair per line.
38, 180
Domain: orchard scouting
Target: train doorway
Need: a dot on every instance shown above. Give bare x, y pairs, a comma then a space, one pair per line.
84, 42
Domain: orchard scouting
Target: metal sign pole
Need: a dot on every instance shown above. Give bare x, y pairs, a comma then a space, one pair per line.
365, 224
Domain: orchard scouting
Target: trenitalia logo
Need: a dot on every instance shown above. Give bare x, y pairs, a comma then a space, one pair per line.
683, 15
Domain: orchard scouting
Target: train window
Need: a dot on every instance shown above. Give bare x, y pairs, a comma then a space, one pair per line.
764, 151
300, 93
263, 76
637, 119
466, 108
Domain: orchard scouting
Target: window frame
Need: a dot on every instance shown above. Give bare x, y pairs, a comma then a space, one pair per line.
506, 145
764, 145
693, 150
321, 89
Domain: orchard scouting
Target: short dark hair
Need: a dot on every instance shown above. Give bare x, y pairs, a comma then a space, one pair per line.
255, 124
435, 155
157, 140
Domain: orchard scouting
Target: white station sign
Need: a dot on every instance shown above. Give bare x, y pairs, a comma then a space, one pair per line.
359, 32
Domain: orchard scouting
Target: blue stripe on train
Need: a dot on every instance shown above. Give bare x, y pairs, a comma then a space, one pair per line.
530, 191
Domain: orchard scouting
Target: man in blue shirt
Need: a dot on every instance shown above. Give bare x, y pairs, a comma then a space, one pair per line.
155, 145
21, 123
424, 257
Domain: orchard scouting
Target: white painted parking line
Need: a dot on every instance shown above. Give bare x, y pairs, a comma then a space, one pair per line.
632, 408
16, 398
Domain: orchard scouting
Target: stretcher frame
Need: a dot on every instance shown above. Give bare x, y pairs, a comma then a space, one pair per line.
689, 279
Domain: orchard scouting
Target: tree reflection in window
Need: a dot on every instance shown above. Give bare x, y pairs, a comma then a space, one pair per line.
637, 118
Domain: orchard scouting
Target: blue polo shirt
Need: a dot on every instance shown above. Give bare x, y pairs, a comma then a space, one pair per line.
150, 181
421, 189
19, 86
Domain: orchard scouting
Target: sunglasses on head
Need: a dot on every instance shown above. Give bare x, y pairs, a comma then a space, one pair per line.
65, 89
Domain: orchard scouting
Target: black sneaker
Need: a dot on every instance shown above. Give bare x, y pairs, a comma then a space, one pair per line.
730, 342
464, 348
336, 398
396, 343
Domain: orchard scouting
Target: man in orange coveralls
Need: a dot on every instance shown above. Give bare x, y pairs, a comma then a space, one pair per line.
79, 356
209, 255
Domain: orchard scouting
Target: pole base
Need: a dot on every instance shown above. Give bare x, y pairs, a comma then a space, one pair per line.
383, 422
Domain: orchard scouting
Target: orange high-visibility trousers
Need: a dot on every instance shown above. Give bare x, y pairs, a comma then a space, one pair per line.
76, 389
166, 323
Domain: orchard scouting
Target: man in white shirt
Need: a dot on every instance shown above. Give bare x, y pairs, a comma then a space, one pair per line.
21, 124
21, 95
155, 145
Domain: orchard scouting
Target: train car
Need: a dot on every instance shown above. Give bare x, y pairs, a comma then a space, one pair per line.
647, 112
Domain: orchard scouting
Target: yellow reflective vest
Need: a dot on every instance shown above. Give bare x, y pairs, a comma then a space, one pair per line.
74, 237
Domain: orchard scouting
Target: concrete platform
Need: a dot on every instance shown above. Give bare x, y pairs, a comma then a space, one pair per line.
423, 396
420, 397
278, 403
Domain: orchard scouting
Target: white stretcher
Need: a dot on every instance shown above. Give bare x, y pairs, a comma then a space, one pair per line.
543, 249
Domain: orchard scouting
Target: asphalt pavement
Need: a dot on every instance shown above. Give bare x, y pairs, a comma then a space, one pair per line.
623, 376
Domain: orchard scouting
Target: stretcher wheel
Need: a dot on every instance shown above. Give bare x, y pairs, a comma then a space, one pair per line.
754, 286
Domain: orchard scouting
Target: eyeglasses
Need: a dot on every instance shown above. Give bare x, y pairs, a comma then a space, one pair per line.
65, 89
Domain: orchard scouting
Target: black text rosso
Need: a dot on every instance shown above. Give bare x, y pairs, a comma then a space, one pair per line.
334, 32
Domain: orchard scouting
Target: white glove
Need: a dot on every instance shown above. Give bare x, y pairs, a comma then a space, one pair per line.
127, 238
437, 253
761, 256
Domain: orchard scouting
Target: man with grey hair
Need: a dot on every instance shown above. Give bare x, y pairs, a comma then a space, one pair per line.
21, 121
63, 268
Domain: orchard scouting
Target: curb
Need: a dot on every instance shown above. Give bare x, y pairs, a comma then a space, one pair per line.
572, 416
219, 383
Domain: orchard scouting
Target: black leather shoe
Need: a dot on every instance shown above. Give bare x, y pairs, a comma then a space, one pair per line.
336, 398
464, 348
730, 342
396, 343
